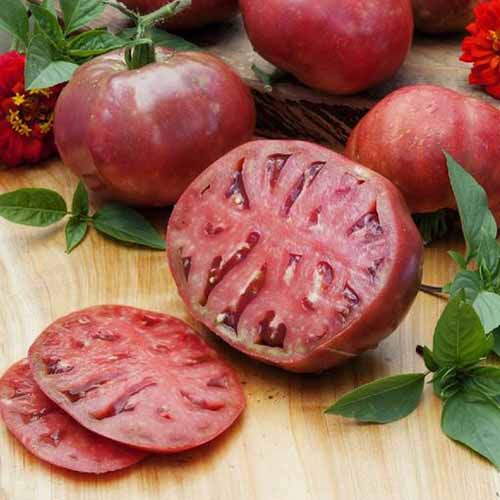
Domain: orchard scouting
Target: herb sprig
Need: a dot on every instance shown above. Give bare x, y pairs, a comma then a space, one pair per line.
467, 331
44, 207
54, 49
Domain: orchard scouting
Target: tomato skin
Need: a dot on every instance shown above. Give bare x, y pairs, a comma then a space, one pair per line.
340, 46
379, 316
141, 136
201, 12
443, 16
408, 149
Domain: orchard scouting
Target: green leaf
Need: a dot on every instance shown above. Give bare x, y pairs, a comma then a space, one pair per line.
50, 6
382, 401
268, 78
161, 38
488, 255
496, 341
474, 421
78, 13
42, 70
48, 24
124, 224
446, 382
472, 203
458, 258
469, 281
80, 203
459, 338
487, 306
14, 20
93, 43
75, 232
33, 207
430, 362
485, 379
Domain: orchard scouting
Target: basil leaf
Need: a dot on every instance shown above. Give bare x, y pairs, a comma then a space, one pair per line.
472, 203
32, 207
92, 43
446, 383
42, 69
49, 5
430, 362
474, 421
485, 379
124, 224
488, 254
75, 232
48, 24
78, 13
161, 38
14, 20
487, 306
459, 338
80, 203
458, 258
382, 401
469, 281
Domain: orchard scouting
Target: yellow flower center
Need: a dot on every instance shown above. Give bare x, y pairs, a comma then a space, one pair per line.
30, 109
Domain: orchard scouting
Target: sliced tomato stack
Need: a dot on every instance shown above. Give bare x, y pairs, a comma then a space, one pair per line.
109, 383
294, 254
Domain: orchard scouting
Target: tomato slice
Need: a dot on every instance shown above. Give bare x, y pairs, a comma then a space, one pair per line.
52, 435
138, 377
294, 254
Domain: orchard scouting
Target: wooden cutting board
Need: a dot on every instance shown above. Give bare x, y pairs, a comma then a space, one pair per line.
283, 447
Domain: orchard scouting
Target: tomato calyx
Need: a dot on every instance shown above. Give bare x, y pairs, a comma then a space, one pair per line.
141, 51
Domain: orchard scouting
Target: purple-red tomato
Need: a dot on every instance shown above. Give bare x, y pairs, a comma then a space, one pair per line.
200, 13
443, 16
338, 46
404, 135
142, 136
294, 254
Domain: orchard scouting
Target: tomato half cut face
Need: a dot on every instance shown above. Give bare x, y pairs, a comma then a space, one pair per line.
294, 254
52, 435
141, 378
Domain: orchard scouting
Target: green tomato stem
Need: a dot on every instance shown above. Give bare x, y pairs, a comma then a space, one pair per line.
169, 10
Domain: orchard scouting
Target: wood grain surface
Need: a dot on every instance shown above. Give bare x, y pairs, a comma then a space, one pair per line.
283, 447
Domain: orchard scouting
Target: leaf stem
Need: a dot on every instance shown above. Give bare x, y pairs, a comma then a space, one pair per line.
437, 291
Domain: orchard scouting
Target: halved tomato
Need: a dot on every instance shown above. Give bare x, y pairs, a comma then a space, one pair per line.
294, 254
141, 378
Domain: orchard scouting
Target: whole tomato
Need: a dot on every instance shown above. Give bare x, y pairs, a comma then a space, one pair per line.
141, 136
338, 46
201, 12
404, 135
443, 16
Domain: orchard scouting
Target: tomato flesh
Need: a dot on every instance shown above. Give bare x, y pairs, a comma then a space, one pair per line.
286, 249
142, 378
52, 435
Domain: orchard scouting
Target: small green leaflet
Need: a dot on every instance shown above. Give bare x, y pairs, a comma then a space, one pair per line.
42, 71
459, 338
472, 203
469, 281
33, 207
124, 224
487, 306
488, 255
78, 13
430, 362
49, 25
80, 203
382, 401
75, 232
93, 43
458, 258
474, 420
14, 20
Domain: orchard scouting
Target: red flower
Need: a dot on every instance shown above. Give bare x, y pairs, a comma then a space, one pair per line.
26, 116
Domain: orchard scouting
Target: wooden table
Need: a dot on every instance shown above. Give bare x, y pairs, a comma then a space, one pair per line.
284, 447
